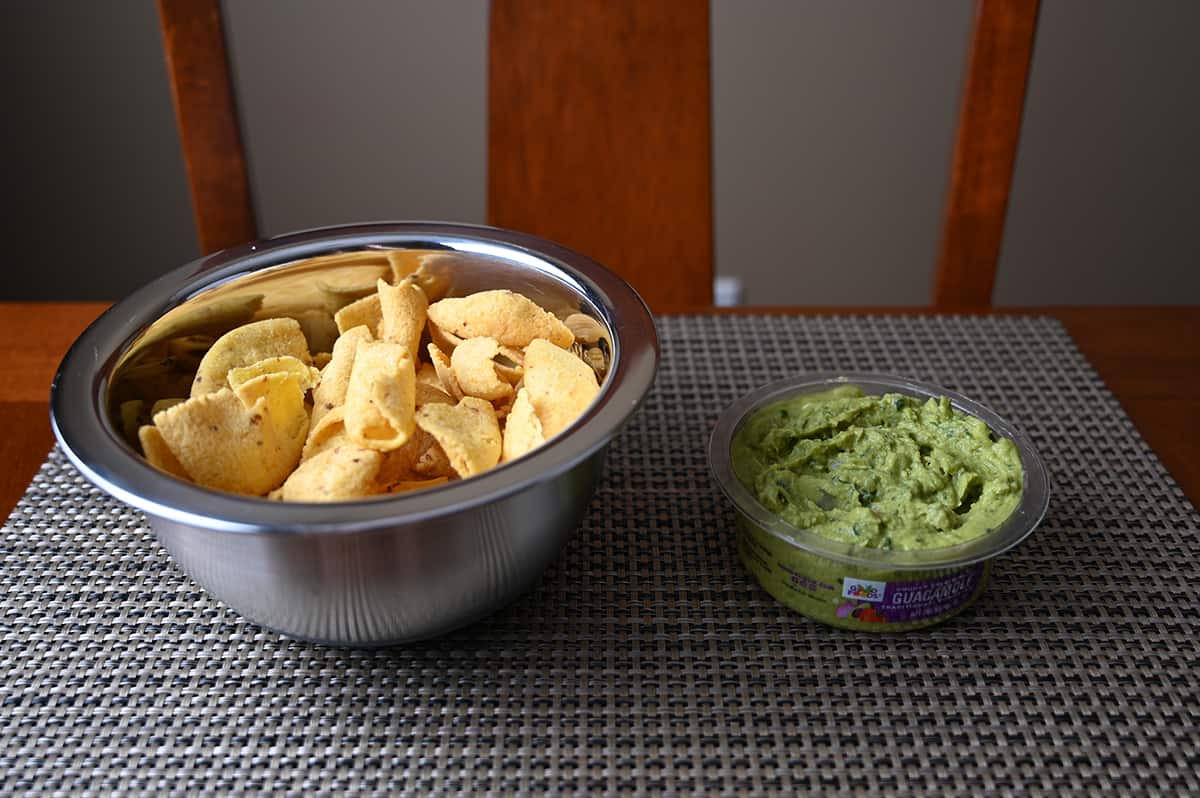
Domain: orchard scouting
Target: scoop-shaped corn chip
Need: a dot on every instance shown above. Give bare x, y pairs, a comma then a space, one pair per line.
433, 462
337, 474
381, 396
397, 465
245, 345
445, 372
510, 318
403, 262
435, 274
409, 485
446, 341
403, 309
585, 329
504, 406
306, 376
510, 364
522, 430
278, 396
560, 385
335, 379
428, 394
158, 453
430, 387
222, 443
366, 311
427, 375
475, 371
467, 432
326, 433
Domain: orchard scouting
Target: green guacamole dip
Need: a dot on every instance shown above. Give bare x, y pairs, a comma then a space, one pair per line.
887, 472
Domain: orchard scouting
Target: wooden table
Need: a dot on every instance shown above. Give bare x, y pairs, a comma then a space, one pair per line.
1149, 357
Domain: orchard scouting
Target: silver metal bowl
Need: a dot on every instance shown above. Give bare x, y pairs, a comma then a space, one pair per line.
379, 571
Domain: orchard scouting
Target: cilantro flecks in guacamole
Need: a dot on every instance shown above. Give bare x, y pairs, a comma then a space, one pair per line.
888, 472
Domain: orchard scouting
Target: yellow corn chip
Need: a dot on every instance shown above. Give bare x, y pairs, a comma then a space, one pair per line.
504, 406
278, 397
403, 262
398, 464
447, 342
381, 396
467, 432
433, 462
245, 345
510, 318
560, 385
221, 443
522, 430
407, 486
585, 329
338, 474
331, 391
510, 364
159, 454
403, 309
306, 376
365, 311
445, 372
428, 394
475, 371
326, 433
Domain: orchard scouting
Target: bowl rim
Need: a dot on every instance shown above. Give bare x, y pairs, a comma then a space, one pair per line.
1035, 496
87, 436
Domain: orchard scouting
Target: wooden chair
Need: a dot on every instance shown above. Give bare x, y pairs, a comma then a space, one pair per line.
599, 137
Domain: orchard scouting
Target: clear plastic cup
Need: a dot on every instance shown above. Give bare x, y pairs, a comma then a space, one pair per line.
856, 587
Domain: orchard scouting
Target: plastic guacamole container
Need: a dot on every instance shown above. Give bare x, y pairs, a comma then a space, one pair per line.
856, 587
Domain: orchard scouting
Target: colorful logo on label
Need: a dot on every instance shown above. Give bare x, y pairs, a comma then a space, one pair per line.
862, 589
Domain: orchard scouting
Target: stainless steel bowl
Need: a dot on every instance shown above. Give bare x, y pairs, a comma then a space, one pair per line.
380, 571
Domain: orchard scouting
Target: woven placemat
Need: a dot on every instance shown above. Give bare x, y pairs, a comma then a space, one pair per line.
648, 660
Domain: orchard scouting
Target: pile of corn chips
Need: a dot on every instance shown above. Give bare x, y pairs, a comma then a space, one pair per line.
410, 394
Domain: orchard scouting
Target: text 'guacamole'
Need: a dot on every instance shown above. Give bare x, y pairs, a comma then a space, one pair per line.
888, 472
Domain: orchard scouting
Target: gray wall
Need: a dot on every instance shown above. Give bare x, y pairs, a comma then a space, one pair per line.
95, 197
363, 110
1106, 192
832, 127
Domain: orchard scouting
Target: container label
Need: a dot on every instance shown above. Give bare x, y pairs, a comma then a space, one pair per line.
863, 589
896, 602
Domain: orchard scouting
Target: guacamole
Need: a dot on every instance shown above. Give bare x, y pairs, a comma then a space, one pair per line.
888, 472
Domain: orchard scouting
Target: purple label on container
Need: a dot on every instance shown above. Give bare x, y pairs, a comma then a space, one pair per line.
896, 602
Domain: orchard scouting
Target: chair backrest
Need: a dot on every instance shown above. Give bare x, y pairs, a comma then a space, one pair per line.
599, 137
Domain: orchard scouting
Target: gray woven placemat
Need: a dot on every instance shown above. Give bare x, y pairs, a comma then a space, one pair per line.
648, 660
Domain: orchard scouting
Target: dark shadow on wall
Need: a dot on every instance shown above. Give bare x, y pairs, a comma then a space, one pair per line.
95, 196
